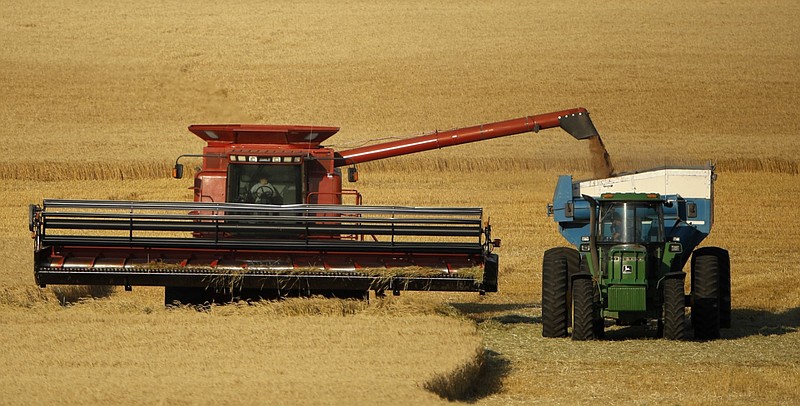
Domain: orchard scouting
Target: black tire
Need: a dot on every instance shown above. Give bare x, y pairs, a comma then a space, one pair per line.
674, 321
557, 265
725, 292
583, 309
705, 296
724, 260
598, 323
724, 282
177, 296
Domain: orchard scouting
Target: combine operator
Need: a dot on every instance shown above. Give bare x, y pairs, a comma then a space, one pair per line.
265, 193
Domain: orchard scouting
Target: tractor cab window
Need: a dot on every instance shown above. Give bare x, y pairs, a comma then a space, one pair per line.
265, 184
631, 222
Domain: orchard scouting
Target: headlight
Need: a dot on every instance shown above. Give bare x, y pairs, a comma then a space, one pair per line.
674, 248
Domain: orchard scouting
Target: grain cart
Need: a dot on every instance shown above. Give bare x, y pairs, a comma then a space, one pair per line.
633, 234
293, 237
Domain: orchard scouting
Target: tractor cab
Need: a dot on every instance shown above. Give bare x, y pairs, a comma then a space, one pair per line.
630, 238
631, 218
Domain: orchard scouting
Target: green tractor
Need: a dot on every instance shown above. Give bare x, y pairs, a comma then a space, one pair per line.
633, 235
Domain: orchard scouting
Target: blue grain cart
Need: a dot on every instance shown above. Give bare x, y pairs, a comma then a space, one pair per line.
632, 236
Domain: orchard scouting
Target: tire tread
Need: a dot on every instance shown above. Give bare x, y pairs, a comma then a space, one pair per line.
583, 320
556, 266
674, 309
705, 296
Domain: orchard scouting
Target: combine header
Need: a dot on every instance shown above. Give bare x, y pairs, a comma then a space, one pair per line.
269, 220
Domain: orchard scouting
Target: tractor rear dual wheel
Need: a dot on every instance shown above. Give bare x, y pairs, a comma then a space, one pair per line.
706, 294
725, 291
724, 261
557, 265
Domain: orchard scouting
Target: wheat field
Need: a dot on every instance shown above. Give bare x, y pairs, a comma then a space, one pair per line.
97, 97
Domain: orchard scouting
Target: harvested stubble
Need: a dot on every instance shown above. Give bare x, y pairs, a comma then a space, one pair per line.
133, 355
23, 296
29, 296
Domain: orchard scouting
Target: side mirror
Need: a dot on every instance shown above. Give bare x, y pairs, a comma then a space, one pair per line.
352, 174
177, 171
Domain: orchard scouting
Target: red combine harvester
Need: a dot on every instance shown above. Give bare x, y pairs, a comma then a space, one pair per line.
269, 220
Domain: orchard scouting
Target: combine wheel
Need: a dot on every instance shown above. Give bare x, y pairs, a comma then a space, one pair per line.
557, 265
583, 309
705, 295
674, 321
176, 296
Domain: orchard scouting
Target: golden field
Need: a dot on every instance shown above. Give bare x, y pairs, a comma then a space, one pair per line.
97, 97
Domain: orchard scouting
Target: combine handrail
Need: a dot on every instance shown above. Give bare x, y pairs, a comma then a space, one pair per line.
232, 225
250, 207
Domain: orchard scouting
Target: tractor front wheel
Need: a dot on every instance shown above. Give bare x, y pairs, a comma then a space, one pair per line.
557, 265
597, 319
583, 314
674, 309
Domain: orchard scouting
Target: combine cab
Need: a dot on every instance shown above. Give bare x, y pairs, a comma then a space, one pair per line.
270, 218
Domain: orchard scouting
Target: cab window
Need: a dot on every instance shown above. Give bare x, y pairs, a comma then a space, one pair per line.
631, 222
266, 184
